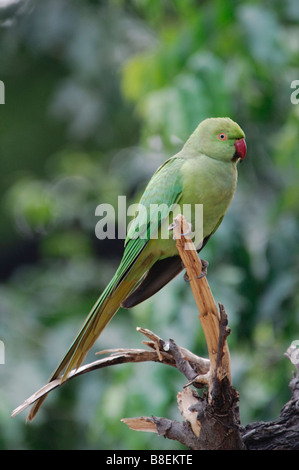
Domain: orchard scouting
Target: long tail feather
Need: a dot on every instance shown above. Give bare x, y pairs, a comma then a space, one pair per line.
100, 315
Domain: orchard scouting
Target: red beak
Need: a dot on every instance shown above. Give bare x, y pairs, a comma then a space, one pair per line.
240, 146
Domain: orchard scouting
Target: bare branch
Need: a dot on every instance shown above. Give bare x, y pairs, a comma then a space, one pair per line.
211, 421
122, 356
208, 311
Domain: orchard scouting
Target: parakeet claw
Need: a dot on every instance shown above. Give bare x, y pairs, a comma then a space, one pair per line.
188, 231
171, 227
204, 271
204, 265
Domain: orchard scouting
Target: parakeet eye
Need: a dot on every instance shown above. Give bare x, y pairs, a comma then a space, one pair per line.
222, 136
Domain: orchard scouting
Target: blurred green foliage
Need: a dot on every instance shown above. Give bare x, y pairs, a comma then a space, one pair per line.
97, 95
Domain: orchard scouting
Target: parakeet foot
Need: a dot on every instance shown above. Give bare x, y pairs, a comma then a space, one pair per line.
185, 234
188, 231
204, 267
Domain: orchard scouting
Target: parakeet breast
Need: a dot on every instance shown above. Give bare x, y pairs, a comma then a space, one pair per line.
211, 183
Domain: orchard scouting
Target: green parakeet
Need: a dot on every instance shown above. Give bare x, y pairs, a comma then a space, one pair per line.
203, 172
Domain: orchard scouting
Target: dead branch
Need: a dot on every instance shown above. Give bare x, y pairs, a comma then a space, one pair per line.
281, 433
208, 311
164, 352
211, 421
278, 434
217, 414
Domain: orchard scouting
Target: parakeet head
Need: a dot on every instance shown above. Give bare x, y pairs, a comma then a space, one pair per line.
219, 138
